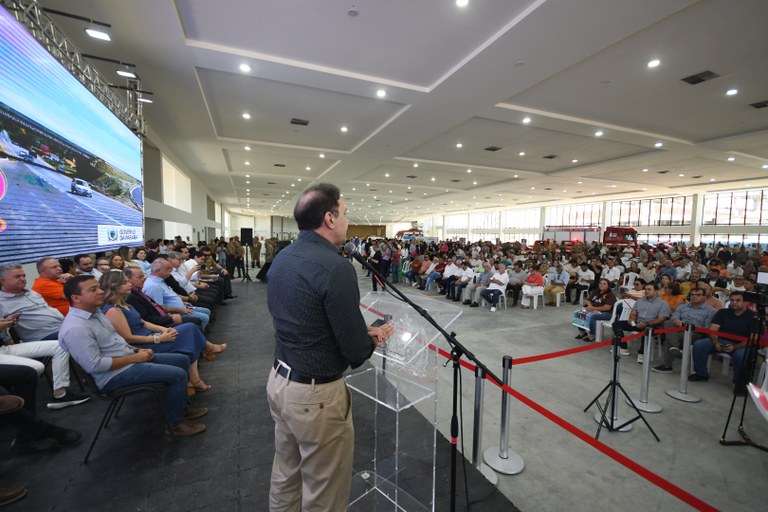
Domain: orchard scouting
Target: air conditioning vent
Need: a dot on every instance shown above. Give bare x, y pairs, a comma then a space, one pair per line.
271, 183
493, 148
300, 122
412, 176
662, 172
455, 181
759, 104
700, 77
279, 165
549, 157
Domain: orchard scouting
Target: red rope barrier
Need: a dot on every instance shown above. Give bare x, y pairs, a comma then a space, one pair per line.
560, 353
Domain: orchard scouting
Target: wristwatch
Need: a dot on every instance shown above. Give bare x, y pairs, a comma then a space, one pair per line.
156, 338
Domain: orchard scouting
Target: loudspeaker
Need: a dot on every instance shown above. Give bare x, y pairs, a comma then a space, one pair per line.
246, 236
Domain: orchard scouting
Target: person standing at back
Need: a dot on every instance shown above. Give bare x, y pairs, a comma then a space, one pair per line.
316, 339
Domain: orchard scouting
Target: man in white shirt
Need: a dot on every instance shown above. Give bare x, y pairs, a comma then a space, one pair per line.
463, 278
496, 287
611, 272
450, 274
584, 279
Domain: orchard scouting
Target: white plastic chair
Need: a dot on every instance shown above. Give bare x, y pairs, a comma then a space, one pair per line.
600, 324
629, 281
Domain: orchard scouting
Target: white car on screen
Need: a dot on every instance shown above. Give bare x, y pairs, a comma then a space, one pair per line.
81, 187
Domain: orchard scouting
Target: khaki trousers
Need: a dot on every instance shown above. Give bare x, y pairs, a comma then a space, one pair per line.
314, 444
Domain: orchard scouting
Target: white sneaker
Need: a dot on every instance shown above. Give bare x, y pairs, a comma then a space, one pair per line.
493, 309
640, 359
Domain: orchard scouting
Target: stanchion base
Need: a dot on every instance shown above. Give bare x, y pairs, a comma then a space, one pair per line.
683, 397
489, 474
651, 407
512, 465
618, 421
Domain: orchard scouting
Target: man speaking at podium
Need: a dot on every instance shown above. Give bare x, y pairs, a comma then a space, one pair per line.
319, 332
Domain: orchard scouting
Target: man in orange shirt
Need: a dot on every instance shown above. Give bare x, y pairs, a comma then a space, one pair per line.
50, 284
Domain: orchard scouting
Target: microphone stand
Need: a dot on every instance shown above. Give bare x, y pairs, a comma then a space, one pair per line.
457, 351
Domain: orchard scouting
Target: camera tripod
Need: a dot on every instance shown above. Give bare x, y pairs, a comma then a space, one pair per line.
745, 375
610, 419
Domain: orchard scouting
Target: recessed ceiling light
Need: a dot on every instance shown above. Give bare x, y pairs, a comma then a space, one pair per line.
526, 120
658, 144
353, 189
711, 179
574, 161
247, 175
515, 176
344, 129
367, 184
246, 115
125, 74
381, 93
386, 175
308, 168
415, 164
245, 68
426, 194
247, 148
654, 63
462, 3
247, 182
731, 158
469, 170
298, 179
682, 174
459, 145
98, 34
522, 153
599, 133
578, 182
645, 170
409, 188
474, 183
145, 100
433, 178
765, 166
247, 163
731, 92
533, 188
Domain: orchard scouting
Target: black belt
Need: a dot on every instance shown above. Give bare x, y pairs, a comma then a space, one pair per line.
301, 379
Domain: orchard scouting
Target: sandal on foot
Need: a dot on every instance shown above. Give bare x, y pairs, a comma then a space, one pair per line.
199, 386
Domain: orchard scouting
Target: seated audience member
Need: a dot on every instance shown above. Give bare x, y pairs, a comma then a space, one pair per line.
666, 269
38, 325
92, 340
140, 259
673, 296
648, 271
464, 277
735, 320
517, 277
496, 286
695, 313
102, 265
473, 290
712, 301
599, 307
427, 267
534, 285
738, 284
450, 274
32, 435
410, 276
187, 279
213, 267
584, 279
116, 262
83, 265
50, 284
149, 309
689, 284
558, 281
717, 283
650, 311
436, 274
153, 250
156, 289
611, 272
68, 266
186, 339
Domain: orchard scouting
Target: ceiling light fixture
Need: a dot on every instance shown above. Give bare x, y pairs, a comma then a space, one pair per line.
245, 68
125, 73
321, 155
145, 100
415, 164
246, 115
247, 163
98, 34
765, 166
526, 120
247, 148
645, 170
459, 145
731, 92
599, 133
658, 144
522, 153
344, 129
381, 93
386, 175
654, 63
462, 3
731, 158
574, 161
469, 170
308, 168
433, 178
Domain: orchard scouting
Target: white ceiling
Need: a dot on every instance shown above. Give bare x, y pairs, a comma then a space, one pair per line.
451, 75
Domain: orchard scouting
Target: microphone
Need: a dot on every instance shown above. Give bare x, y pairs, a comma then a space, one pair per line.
349, 248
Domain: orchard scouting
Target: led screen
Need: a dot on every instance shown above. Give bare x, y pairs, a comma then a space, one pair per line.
70, 170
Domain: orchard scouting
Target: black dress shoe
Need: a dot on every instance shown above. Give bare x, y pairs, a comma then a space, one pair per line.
698, 378
231, 296
467, 302
474, 305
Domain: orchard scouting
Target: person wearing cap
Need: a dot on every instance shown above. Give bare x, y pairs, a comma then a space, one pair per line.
558, 280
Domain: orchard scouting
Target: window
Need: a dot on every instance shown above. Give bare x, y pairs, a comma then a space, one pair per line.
737, 208
660, 211
516, 220
177, 190
582, 215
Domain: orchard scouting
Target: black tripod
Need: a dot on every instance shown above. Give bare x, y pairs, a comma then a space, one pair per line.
745, 375
246, 275
603, 419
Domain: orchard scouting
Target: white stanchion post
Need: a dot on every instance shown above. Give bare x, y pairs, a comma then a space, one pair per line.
682, 392
503, 460
477, 432
643, 403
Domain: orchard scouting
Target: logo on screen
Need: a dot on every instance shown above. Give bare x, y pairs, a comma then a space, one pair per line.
112, 235
3, 225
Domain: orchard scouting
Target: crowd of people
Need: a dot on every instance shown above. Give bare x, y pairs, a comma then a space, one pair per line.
663, 285
130, 316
